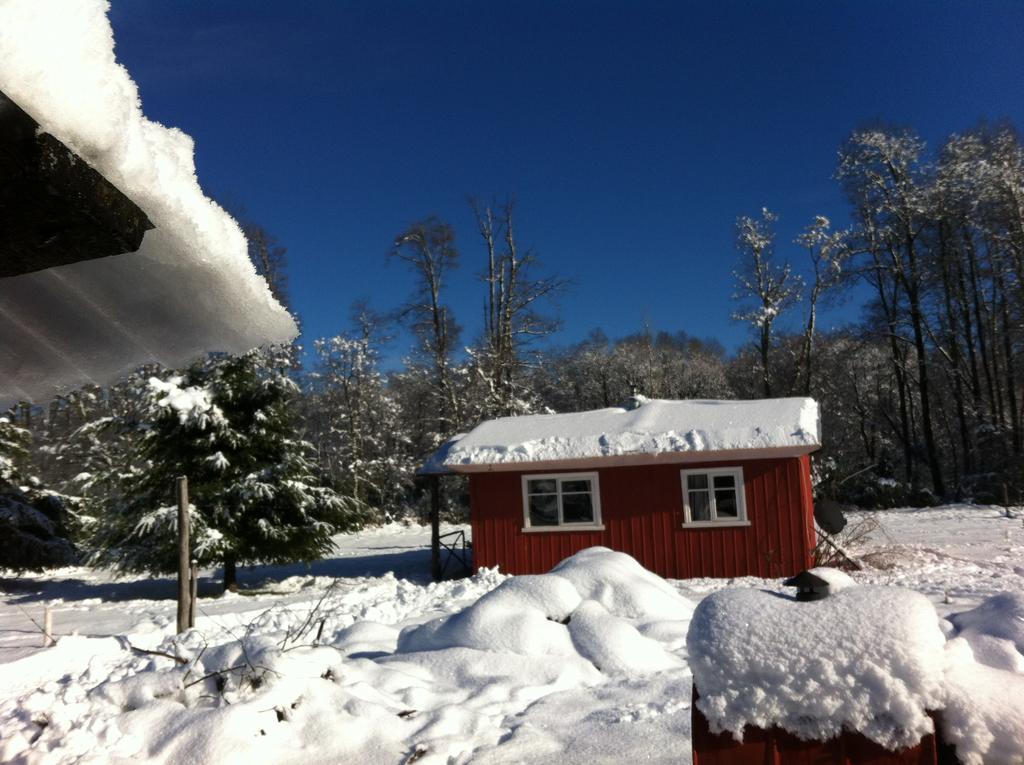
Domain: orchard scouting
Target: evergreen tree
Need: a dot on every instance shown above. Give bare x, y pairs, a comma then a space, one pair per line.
256, 497
32, 519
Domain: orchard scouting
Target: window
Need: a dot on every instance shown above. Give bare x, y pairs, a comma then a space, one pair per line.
714, 497
561, 500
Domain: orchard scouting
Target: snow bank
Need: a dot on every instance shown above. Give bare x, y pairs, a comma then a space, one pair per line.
984, 714
867, 658
1001, 617
653, 427
355, 699
190, 288
589, 606
385, 687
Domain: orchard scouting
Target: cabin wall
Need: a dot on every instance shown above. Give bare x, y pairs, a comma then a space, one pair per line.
642, 512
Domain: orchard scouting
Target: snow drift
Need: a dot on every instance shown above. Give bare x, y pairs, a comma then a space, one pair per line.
190, 288
441, 691
586, 664
593, 606
984, 713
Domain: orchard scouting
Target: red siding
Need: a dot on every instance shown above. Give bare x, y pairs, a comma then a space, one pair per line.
642, 512
775, 746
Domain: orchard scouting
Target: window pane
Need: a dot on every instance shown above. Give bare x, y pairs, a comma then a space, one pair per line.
725, 503
545, 486
697, 481
576, 485
700, 505
577, 508
544, 510
725, 481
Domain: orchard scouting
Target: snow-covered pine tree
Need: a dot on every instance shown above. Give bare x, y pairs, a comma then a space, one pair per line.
32, 519
255, 492
92, 439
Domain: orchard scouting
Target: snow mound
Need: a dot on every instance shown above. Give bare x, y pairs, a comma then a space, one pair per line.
623, 586
984, 716
588, 606
613, 644
867, 658
654, 426
190, 288
522, 615
1001, 616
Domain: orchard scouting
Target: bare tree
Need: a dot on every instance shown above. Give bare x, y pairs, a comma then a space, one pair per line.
883, 177
269, 258
828, 253
428, 249
511, 317
770, 287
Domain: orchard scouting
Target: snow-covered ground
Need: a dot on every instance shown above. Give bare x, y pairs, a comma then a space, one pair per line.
590, 668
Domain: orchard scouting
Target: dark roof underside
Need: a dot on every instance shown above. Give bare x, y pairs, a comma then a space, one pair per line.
54, 208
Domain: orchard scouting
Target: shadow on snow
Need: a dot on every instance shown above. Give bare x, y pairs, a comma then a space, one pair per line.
411, 563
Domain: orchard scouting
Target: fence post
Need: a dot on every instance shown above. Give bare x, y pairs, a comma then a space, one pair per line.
184, 584
193, 592
435, 528
48, 627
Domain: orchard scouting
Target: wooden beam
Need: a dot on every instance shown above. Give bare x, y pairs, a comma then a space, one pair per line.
55, 208
184, 569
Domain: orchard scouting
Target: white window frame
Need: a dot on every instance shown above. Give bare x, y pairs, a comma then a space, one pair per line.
559, 478
741, 499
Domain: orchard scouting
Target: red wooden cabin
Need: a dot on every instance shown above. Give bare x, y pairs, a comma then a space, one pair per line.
688, 488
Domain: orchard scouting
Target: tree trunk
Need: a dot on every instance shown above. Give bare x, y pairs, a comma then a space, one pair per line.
766, 342
927, 430
980, 324
230, 575
808, 346
1011, 380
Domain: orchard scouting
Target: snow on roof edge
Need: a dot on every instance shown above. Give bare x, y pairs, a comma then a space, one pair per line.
653, 427
189, 289
435, 463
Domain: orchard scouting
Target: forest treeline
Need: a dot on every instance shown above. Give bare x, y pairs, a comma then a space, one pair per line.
921, 397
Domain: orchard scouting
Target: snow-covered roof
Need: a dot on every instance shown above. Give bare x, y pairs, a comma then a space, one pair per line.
190, 287
651, 427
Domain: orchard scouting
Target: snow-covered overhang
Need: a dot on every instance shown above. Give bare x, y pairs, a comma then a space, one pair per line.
187, 290
650, 431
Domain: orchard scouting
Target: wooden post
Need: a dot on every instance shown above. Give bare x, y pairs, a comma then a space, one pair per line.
48, 627
435, 528
193, 592
184, 586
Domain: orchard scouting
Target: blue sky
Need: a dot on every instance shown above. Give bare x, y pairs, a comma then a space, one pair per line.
631, 134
